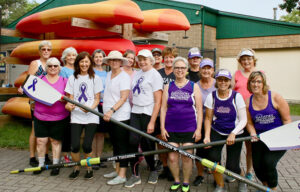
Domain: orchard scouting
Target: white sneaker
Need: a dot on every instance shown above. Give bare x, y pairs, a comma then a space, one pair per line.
111, 175
116, 181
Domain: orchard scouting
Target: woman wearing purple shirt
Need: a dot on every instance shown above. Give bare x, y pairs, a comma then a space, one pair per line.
181, 120
266, 110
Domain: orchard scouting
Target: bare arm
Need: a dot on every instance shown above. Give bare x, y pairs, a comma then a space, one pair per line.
250, 126
163, 112
282, 106
156, 108
32, 69
207, 124
198, 101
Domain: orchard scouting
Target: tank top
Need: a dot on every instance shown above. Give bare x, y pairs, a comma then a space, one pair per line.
40, 70
241, 85
266, 119
225, 114
181, 112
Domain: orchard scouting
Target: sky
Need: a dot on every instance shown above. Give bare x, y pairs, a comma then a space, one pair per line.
257, 8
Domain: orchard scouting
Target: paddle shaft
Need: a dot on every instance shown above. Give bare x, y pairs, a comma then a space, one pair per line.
204, 162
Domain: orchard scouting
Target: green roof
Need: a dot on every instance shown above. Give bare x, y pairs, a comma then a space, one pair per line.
228, 25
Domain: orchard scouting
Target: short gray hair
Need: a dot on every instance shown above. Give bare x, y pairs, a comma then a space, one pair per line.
52, 61
180, 59
45, 43
66, 52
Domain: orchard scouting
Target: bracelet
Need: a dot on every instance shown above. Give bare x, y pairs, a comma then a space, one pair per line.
112, 109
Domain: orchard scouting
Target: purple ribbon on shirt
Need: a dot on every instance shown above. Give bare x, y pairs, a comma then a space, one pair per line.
137, 86
82, 96
32, 85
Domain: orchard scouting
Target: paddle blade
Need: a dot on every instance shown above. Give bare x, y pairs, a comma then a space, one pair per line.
40, 91
282, 138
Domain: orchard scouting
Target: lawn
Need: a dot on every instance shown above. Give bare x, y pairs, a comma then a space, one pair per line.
295, 109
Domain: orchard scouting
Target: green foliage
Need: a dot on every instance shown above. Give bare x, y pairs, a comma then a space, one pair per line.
295, 109
289, 5
293, 17
13, 9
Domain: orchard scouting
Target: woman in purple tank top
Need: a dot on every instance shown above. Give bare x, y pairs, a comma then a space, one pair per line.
181, 120
266, 110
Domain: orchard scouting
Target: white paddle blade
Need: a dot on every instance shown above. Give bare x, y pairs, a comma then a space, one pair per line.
282, 138
40, 91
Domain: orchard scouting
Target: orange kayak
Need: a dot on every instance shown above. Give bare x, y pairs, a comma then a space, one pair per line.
163, 20
19, 81
149, 47
58, 19
29, 50
17, 106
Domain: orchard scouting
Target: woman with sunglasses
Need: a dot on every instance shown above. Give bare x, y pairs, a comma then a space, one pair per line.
84, 87
37, 68
225, 119
50, 121
266, 111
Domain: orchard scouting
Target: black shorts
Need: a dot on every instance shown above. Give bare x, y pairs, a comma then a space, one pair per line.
53, 129
181, 137
102, 127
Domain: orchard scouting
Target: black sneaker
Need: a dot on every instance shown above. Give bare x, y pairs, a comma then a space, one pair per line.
158, 165
89, 174
33, 162
170, 176
164, 173
54, 172
96, 167
47, 160
74, 174
198, 180
37, 172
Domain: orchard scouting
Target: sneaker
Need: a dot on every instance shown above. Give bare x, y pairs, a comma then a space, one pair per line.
33, 162
37, 172
134, 180
170, 176
185, 188
96, 167
116, 181
67, 159
175, 187
220, 189
242, 187
229, 179
74, 174
158, 165
249, 176
89, 174
54, 172
198, 180
111, 175
153, 176
164, 173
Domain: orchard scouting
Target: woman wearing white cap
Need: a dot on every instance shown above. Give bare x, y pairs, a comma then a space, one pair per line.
116, 105
225, 119
246, 58
146, 87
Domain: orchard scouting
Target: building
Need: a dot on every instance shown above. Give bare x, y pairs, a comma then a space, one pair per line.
276, 43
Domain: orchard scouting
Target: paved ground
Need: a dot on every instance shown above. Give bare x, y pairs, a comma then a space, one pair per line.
288, 171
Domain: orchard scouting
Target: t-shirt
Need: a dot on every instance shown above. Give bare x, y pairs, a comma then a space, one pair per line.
66, 72
143, 86
84, 90
57, 111
112, 95
102, 75
238, 103
193, 76
166, 78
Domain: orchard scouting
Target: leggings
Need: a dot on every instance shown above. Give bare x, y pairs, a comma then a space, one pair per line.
265, 162
140, 122
66, 141
119, 139
233, 152
89, 132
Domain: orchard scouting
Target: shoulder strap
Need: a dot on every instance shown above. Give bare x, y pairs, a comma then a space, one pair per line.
214, 94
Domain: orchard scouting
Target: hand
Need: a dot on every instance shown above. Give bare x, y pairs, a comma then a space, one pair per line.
254, 137
70, 107
84, 110
230, 139
197, 135
107, 115
20, 90
150, 127
164, 134
205, 141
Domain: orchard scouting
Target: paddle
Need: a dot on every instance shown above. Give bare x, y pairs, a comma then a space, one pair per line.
97, 160
44, 93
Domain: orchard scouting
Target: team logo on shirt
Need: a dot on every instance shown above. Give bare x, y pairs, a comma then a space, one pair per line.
83, 90
137, 86
264, 119
223, 109
180, 95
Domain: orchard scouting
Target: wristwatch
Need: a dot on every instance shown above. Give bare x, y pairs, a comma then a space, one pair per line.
112, 109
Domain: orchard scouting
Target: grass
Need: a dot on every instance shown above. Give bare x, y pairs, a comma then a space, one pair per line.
295, 109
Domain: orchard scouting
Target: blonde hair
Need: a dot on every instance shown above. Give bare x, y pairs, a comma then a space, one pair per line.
252, 76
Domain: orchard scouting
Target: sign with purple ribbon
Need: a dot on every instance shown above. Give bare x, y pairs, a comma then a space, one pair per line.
137, 86
82, 90
33, 84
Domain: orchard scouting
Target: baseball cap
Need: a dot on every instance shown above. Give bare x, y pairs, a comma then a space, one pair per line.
156, 50
246, 52
206, 62
194, 52
146, 53
224, 73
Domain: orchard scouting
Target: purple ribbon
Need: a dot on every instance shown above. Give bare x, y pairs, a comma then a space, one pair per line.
32, 85
299, 125
82, 96
137, 86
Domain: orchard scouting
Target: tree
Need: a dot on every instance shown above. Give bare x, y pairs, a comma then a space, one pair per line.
289, 5
13, 9
293, 17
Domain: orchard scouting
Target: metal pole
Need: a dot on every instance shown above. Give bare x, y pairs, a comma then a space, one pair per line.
202, 28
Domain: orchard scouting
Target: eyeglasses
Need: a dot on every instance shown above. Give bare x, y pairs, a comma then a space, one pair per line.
223, 79
180, 68
156, 55
257, 81
46, 49
50, 66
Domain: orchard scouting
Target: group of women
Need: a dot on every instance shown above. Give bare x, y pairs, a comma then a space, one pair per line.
214, 108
